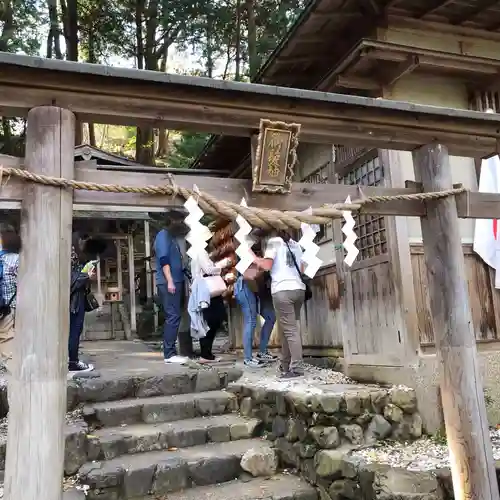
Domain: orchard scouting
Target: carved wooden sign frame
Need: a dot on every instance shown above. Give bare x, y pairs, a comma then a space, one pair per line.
275, 157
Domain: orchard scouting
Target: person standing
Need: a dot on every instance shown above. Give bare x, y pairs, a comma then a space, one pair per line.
254, 298
10, 244
170, 284
215, 313
282, 257
79, 288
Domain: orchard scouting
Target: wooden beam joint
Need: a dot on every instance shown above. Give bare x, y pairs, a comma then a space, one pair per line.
404, 68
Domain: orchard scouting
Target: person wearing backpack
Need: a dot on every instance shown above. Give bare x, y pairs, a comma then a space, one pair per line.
10, 244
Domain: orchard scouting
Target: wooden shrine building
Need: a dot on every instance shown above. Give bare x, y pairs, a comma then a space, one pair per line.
377, 313
49, 186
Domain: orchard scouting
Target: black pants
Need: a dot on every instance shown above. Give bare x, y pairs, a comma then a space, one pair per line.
215, 315
76, 322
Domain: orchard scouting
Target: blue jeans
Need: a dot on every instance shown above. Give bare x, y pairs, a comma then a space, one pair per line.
171, 303
250, 307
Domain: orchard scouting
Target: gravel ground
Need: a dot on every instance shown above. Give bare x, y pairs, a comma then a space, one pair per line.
310, 383
426, 454
72, 417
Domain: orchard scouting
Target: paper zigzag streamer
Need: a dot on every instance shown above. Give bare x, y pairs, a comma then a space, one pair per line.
310, 257
198, 234
244, 250
351, 236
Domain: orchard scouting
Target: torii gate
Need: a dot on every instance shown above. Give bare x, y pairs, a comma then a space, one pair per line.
51, 92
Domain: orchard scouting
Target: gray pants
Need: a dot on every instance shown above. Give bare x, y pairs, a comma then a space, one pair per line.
287, 305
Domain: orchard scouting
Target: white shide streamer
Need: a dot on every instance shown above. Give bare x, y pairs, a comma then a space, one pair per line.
198, 234
310, 257
351, 236
244, 250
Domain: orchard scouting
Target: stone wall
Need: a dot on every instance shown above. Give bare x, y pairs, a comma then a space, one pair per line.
314, 433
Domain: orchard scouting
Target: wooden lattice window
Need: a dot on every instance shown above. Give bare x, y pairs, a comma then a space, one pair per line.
371, 229
486, 100
345, 153
320, 176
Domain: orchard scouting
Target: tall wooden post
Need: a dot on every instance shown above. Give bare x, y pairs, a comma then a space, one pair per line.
462, 395
119, 270
37, 387
131, 281
100, 295
147, 255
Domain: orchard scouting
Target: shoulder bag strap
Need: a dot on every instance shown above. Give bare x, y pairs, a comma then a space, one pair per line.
294, 261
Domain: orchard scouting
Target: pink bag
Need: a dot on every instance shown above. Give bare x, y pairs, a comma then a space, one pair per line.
216, 285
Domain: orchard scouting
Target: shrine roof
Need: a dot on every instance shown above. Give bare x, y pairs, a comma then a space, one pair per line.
327, 32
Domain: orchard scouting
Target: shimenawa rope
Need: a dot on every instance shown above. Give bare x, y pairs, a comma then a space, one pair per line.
257, 217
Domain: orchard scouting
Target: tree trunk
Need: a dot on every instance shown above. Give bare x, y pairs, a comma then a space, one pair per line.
237, 58
139, 14
54, 30
50, 43
145, 140
151, 28
162, 151
228, 61
91, 59
7, 137
72, 31
7, 17
253, 57
209, 47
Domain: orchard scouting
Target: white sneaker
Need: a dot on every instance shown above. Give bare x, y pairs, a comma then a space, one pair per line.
178, 360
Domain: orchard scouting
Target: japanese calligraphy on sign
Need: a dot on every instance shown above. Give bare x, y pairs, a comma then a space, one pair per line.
275, 157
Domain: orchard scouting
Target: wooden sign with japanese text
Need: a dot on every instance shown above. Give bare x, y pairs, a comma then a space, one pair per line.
275, 157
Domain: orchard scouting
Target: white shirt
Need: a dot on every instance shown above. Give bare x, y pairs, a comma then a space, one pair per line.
202, 265
284, 275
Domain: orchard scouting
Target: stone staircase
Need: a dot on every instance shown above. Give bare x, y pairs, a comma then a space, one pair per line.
177, 434
98, 325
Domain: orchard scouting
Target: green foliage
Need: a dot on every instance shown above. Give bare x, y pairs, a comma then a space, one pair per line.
21, 25
488, 400
186, 149
440, 437
215, 36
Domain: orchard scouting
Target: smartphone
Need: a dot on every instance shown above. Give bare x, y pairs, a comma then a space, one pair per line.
89, 266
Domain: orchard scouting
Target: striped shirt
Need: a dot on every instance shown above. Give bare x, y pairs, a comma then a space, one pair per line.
8, 283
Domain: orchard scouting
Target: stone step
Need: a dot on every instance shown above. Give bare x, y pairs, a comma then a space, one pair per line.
103, 327
70, 494
174, 380
279, 487
94, 335
74, 494
111, 442
162, 472
160, 409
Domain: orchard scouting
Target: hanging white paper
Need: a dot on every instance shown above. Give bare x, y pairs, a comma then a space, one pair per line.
310, 257
198, 234
244, 250
351, 236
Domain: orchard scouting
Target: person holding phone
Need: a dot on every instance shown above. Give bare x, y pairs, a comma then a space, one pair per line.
80, 285
170, 284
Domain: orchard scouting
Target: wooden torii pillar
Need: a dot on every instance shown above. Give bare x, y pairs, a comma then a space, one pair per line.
471, 455
37, 385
